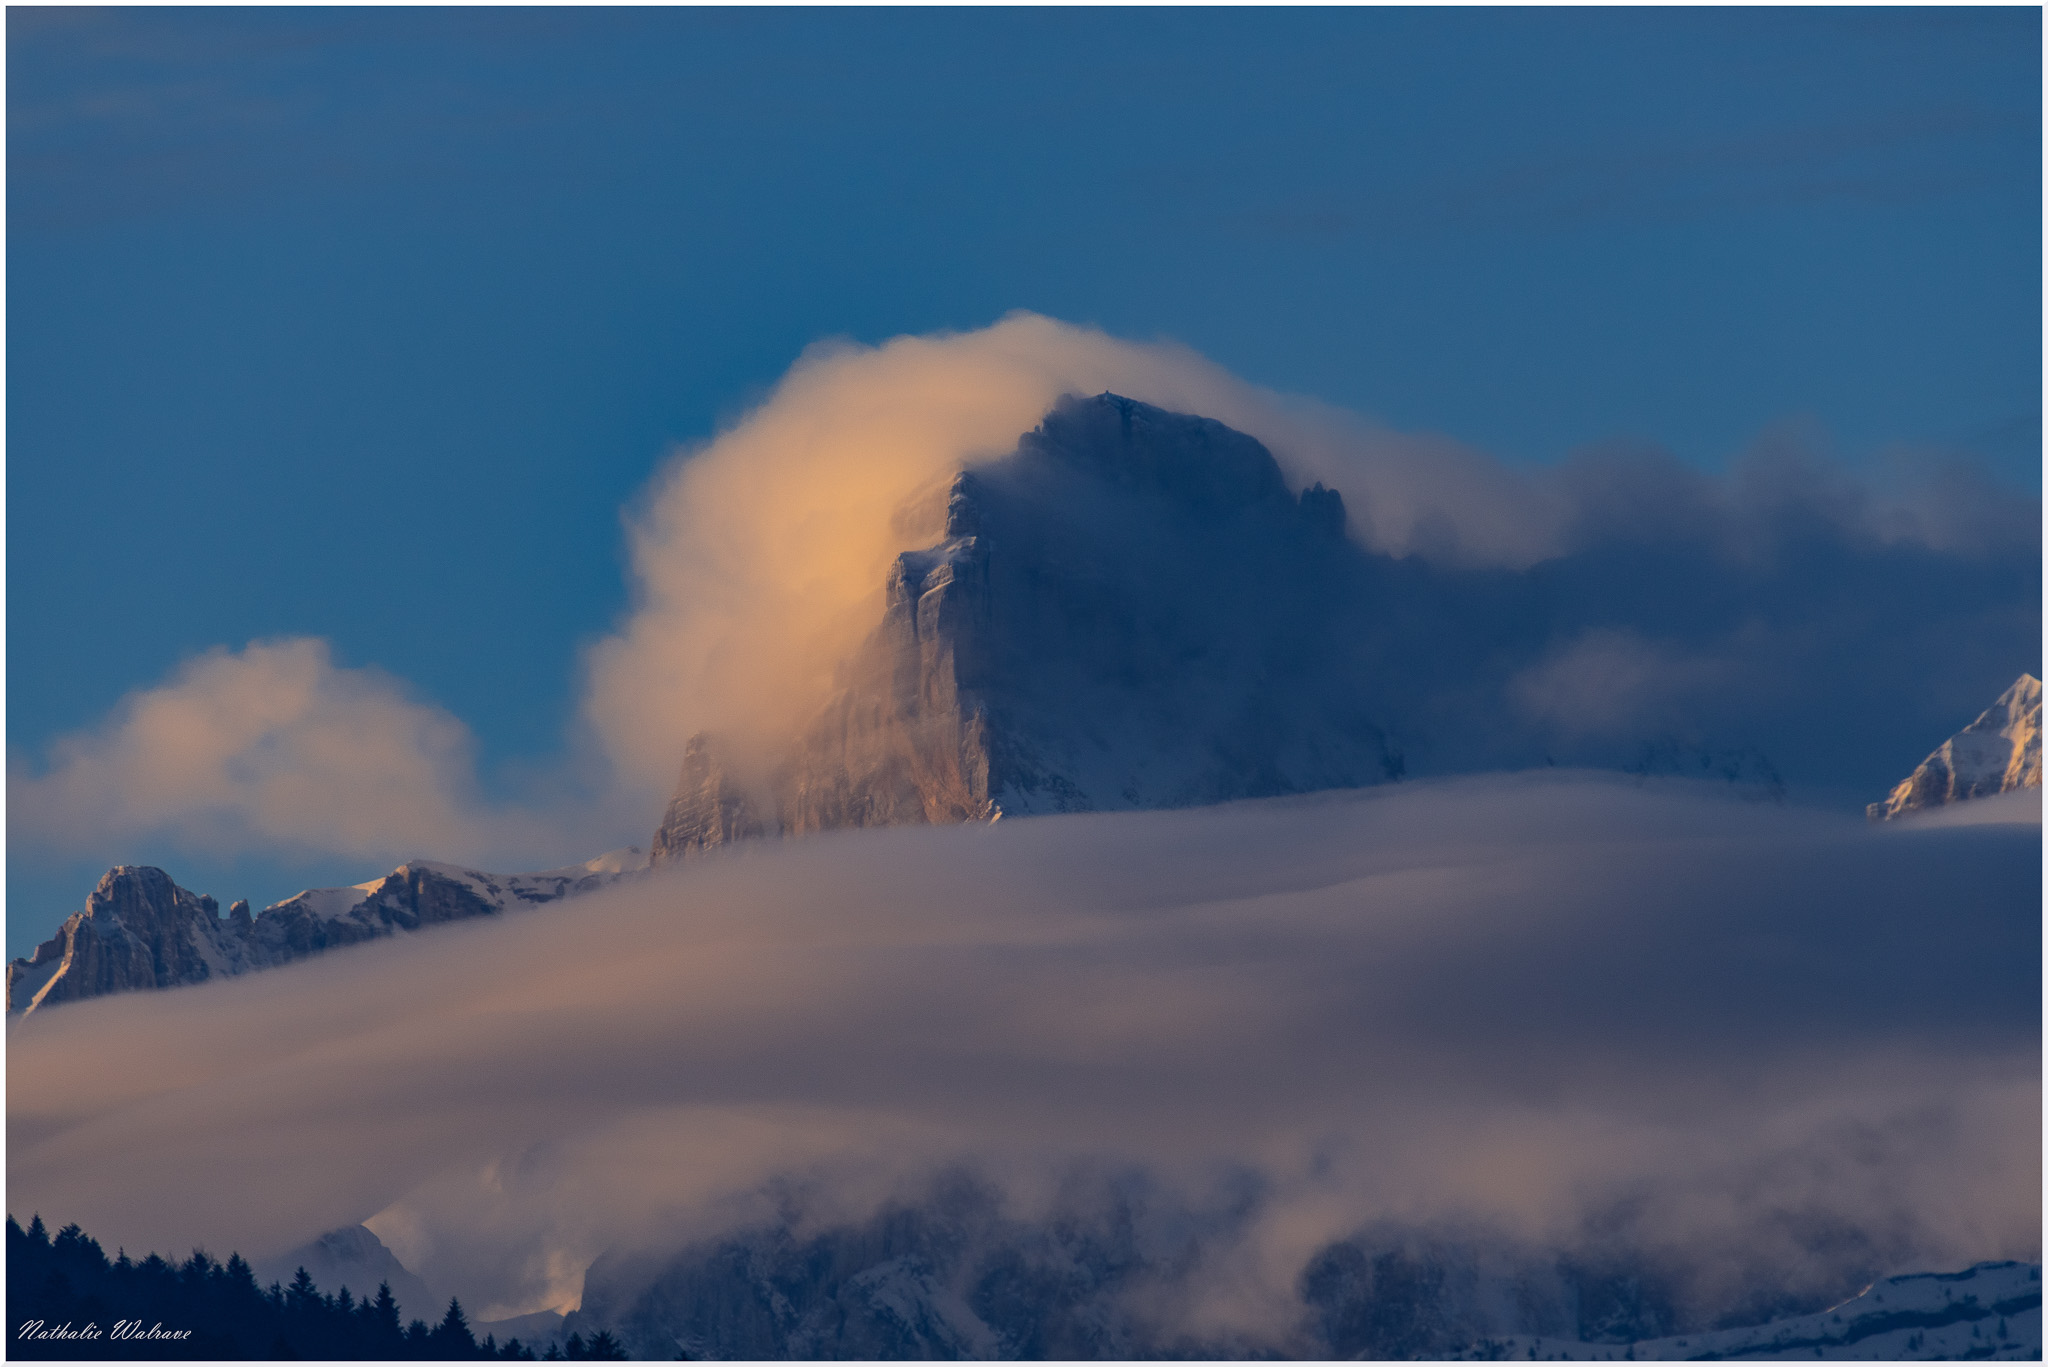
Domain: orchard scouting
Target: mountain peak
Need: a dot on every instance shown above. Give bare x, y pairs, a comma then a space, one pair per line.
1123, 612
1197, 462
1999, 752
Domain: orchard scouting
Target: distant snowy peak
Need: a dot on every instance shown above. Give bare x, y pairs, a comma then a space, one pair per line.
423, 892
1992, 1310
2000, 752
140, 931
354, 1258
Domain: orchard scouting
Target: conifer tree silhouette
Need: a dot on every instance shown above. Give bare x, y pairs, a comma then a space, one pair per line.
220, 1309
603, 1348
452, 1337
384, 1315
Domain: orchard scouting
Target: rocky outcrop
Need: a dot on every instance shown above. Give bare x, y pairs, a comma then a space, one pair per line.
1122, 613
906, 741
2000, 752
140, 931
710, 808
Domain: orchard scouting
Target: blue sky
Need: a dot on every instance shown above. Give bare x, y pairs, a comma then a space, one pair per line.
367, 324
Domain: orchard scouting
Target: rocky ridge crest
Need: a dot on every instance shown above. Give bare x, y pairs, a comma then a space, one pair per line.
140, 931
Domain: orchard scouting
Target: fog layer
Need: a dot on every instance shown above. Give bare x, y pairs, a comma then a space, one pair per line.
1516, 1003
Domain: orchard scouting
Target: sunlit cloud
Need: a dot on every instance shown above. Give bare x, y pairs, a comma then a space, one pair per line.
273, 747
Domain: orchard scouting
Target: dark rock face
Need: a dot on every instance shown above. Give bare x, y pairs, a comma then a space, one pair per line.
140, 931
1124, 612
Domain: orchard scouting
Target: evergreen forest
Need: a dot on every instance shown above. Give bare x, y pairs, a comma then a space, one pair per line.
66, 1300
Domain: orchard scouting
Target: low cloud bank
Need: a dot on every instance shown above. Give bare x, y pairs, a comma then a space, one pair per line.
1520, 1005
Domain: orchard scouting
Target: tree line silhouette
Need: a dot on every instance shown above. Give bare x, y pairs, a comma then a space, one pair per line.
66, 1300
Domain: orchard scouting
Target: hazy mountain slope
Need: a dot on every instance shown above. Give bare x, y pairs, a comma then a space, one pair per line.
2000, 752
1110, 1272
355, 1258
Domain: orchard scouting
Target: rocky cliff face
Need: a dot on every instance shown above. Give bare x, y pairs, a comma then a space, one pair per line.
906, 741
1124, 612
710, 808
2000, 752
140, 931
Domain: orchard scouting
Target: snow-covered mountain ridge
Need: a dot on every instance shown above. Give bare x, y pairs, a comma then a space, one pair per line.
139, 930
1992, 1310
2000, 752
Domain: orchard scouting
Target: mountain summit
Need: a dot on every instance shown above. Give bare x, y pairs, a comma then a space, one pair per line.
2000, 752
1130, 610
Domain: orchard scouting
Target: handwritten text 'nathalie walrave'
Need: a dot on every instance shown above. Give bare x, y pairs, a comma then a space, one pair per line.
123, 1329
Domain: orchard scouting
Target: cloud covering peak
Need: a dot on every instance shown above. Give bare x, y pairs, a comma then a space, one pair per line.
759, 558
1837, 623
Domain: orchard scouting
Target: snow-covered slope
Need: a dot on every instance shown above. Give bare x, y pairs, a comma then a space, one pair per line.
2000, 752
1992, 1310
139, 930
